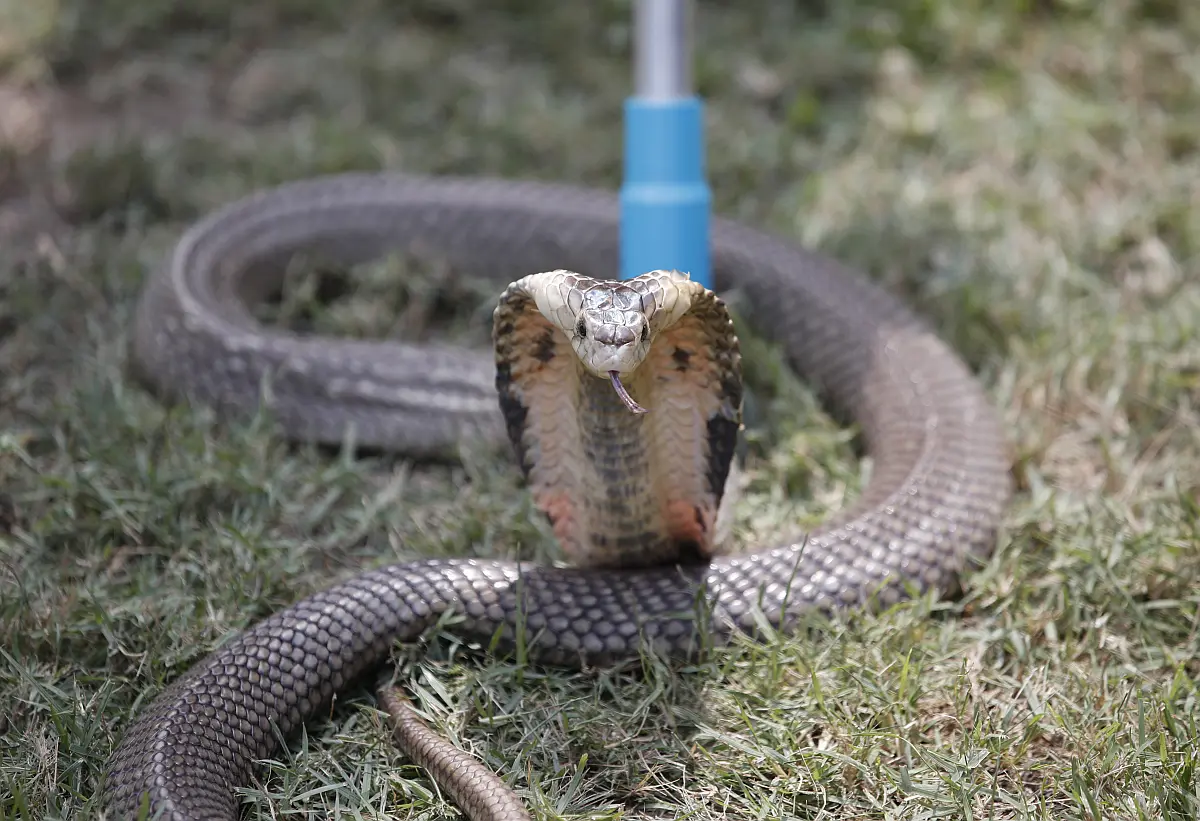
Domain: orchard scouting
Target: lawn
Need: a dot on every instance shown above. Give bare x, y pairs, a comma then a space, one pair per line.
1025, 174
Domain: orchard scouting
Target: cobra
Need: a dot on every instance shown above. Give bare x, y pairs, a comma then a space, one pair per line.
938, 489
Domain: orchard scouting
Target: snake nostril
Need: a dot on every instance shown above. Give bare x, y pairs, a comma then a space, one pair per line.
617, 337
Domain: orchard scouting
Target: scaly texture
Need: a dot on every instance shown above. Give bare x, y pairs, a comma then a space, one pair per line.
482, 796
937, 492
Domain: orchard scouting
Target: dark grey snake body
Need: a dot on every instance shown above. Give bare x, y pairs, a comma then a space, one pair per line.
937, 492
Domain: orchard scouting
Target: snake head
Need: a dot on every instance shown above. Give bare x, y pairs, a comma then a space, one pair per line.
612, 336
611, 325
611, 331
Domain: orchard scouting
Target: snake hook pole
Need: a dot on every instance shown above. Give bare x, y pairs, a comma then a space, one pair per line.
665, 198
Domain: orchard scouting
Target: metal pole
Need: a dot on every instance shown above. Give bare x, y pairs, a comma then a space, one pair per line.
665, 199
662, 49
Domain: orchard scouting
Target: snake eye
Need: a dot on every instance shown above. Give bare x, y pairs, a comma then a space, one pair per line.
645, 334
581, 328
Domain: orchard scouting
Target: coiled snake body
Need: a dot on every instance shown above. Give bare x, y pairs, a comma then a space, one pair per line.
938, 488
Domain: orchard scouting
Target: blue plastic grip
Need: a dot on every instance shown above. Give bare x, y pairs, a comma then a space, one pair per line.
665, 199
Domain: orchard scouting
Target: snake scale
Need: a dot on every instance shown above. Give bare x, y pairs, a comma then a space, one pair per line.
937, 492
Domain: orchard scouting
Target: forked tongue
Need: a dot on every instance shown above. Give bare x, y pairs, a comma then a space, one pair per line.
624, 394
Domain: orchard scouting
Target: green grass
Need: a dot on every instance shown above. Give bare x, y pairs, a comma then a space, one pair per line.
1025, 174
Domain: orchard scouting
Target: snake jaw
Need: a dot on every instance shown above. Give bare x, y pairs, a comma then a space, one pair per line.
633, 406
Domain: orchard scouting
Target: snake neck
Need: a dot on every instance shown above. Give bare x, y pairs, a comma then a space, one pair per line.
624, 515
620, 493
